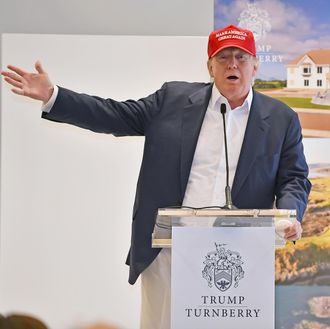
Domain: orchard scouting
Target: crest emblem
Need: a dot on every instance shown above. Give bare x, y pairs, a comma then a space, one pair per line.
222, 268
222, 279
255, 20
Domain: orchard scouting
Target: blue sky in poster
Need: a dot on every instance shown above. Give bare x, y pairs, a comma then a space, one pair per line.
296, 27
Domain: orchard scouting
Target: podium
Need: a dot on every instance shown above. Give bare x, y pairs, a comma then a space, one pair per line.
222, 273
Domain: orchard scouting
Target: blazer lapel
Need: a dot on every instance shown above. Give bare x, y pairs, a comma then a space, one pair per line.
254, 137
193, 115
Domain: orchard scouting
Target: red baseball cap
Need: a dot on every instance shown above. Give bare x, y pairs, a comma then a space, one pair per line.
231, 36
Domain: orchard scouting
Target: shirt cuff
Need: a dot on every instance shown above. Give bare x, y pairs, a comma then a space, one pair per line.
48, 106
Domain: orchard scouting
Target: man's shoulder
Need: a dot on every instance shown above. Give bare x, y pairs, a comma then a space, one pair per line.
185, 86
269, 103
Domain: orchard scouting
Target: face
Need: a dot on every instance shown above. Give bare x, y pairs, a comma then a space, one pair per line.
233, 70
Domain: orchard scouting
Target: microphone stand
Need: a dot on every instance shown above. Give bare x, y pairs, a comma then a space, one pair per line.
229, 203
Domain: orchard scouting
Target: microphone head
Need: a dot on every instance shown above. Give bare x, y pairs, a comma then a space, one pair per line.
223, 108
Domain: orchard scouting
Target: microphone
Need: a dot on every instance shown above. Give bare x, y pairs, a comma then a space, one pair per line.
229, 203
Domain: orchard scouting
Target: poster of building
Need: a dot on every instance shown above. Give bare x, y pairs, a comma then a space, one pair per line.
293, 47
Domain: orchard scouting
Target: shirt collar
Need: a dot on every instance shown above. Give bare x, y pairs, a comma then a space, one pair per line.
217, 99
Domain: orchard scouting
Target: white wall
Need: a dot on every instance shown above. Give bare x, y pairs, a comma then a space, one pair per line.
66, 193
74, 17
117, 17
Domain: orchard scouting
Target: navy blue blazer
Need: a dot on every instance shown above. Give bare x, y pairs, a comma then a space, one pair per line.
271, 167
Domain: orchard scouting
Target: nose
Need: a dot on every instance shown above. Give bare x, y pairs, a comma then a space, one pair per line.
232, 62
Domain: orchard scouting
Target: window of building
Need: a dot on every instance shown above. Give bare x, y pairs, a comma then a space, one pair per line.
319, 83
306, 83
307, 70
319, 69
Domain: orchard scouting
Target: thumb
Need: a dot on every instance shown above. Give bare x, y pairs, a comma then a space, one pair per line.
39, 67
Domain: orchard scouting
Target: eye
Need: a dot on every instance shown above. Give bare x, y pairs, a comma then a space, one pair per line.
240, 57
222, 57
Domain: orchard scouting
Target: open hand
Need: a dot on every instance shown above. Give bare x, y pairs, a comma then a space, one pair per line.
34, 85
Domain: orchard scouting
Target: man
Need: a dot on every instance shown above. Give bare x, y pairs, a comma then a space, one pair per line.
183, 161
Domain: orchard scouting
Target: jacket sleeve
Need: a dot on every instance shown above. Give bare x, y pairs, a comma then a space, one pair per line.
128, 118
292, 184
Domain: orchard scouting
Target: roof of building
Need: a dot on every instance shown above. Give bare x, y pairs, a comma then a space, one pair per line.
319, 56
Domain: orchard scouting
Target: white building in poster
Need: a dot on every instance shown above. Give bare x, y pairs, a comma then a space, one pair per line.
310, 71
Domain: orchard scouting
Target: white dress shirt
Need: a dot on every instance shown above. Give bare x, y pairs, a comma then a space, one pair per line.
207, 179
48, 106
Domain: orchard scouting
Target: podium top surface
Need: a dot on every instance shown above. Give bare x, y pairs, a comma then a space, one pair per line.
218, 212
168, 218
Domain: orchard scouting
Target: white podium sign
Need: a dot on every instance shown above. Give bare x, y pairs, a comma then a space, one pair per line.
223, 277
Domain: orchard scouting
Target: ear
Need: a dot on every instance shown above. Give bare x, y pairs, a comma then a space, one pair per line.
255, 68
210, 67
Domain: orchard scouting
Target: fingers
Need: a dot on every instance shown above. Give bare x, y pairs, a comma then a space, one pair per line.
14, 82
19, 74
18, 91
292, 237
294, 231
22, 72
39, 67
12, 76
17, 70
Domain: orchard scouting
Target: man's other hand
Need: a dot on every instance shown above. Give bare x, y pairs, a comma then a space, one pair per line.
293, 232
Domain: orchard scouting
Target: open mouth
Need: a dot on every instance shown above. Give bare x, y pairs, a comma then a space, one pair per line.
232, 78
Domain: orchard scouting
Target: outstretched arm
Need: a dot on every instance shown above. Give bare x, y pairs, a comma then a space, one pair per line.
34, 85
85, 111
